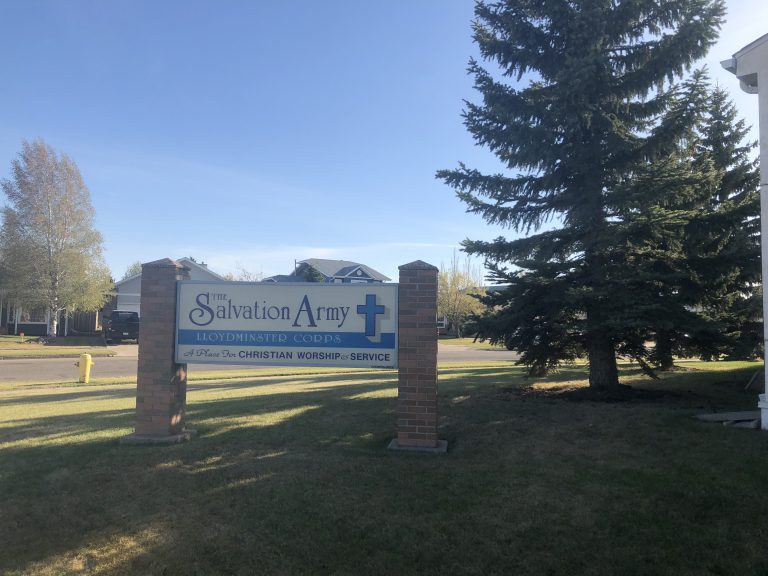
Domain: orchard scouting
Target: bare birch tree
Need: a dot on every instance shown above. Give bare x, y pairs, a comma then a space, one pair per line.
48, 244
457, 287
134, 269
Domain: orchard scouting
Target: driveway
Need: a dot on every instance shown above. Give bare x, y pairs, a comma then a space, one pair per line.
126, 359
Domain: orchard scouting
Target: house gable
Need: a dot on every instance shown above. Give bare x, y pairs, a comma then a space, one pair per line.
354, 274
345, 269
199, 271
128, 290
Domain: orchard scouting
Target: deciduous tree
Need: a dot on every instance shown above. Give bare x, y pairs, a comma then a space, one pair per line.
134, 269
51, 250
458, 288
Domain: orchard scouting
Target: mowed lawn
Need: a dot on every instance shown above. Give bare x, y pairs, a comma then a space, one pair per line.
290, 475
13, 347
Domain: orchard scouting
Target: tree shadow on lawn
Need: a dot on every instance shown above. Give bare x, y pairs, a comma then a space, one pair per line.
47, 517
55, 429
300, 482
688, 388
65, 396
376, 378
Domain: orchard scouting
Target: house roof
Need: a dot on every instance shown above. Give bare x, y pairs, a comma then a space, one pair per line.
751, 46
343, 269
282, 278
747, 63
186, 261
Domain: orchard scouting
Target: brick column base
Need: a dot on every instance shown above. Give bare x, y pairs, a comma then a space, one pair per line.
161, 384
417, 360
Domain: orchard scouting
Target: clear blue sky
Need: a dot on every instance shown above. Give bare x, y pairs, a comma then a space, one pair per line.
248, 134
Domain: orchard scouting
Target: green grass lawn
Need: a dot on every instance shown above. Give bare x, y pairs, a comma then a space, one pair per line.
65, 347
290, 475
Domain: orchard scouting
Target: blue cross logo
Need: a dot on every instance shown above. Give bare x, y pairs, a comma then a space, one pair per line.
370, 309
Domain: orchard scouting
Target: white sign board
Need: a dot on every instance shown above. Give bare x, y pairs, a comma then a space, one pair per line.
311, 324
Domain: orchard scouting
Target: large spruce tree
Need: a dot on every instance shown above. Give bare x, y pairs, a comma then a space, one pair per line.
694, 244
708, 298
656, 203
724, 239
598, 78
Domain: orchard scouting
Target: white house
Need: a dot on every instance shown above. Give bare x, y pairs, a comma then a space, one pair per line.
128, 290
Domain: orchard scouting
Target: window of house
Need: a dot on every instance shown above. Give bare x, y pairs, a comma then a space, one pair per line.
33, 315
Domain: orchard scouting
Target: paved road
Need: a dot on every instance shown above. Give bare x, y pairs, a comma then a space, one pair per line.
453, 353
124, 364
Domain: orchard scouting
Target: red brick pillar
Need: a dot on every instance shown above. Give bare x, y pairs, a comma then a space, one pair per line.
161, 392
417, 360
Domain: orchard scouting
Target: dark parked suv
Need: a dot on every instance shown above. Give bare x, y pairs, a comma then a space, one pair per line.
122, 325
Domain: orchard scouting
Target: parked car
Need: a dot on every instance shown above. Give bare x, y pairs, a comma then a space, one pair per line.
122, 325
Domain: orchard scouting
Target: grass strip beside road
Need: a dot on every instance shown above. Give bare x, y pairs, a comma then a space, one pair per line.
289, 474
63, 352
14, 347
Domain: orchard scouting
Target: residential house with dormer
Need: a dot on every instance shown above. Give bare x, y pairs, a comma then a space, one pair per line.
330, 272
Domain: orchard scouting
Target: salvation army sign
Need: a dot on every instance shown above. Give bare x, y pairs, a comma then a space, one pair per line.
352, 325
299, 324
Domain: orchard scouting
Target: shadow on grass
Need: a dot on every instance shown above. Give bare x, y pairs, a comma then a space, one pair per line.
292, 476
84, 393
80, 424
333, 381
62, 495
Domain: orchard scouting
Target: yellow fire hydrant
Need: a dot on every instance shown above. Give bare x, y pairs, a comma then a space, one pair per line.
85, 364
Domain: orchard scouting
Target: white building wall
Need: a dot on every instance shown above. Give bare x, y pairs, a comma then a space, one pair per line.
129, 292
